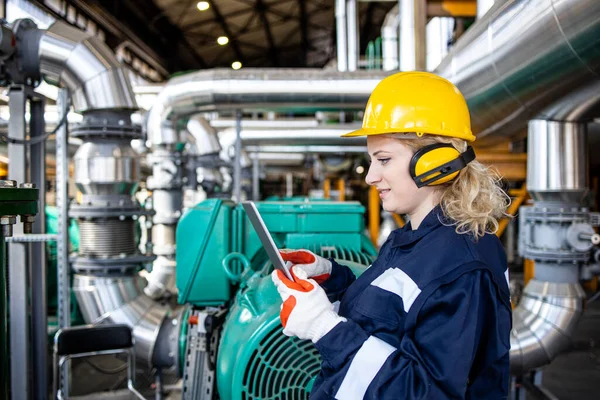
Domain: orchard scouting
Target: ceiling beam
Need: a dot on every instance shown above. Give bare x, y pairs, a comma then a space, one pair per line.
261, 9
304, 30
232, 39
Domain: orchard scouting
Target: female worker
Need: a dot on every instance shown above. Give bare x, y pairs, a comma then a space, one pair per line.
431, 318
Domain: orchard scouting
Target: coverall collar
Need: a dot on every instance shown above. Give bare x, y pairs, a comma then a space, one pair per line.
406, 235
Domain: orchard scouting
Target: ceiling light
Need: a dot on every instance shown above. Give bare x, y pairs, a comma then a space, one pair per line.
222, 40
203, 5
236, 65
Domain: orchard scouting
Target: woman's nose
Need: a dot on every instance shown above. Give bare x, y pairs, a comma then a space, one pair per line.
372, 176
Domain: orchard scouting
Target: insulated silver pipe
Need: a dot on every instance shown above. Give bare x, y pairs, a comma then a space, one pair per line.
353, 38
86, 66
260, 89
557, 165
321, 135
341, 35
543, 323
108, 172
389, 39
519, 58
120, 300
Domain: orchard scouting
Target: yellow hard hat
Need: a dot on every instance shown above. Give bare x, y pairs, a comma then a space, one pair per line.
418, 102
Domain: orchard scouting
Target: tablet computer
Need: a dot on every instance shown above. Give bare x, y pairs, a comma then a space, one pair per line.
266, 239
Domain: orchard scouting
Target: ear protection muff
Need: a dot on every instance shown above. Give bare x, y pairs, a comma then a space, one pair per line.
438, 163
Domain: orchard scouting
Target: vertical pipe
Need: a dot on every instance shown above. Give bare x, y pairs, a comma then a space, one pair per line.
237, 166
353, 39
4, 350
342, 42
389, 36
62, 241
17, 257
413, 19
289, 185
374, 214
38, 255
326, 188
341, 186
255, 177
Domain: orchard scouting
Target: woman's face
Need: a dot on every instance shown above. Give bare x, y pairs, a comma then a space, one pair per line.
389, 173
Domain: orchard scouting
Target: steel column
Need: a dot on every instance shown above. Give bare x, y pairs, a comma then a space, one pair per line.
20, 354
255, 177
62, 242
237, 164
37, 160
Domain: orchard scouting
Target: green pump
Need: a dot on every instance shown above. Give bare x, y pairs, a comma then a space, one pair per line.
234, 335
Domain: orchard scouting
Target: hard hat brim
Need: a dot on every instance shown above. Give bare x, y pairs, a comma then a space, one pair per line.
369, 132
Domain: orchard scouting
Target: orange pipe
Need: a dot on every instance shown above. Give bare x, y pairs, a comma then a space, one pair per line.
399, 221
528, 270
374, 214
341, 186
326, 188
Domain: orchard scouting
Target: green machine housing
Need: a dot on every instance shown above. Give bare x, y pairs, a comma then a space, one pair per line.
221, 263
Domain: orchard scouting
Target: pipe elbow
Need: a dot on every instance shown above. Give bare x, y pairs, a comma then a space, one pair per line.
543, 323
85, 65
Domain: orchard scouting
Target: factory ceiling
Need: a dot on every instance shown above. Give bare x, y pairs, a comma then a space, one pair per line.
170, 36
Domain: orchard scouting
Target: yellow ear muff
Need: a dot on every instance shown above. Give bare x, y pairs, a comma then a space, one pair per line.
438, 163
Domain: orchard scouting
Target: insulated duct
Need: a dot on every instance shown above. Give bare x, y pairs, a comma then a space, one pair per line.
519, 58
107, 170
260, 89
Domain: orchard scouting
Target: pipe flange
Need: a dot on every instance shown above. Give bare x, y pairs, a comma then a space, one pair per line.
155, 183
555, 214
107, 123
94, 211
555, 256
109, 266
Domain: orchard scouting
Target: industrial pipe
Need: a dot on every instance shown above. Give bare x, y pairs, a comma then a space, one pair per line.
554, 231
341, 35
390, 47
519, 58
261, 89
107, 172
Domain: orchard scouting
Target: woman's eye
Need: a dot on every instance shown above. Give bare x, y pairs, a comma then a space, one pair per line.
383, 161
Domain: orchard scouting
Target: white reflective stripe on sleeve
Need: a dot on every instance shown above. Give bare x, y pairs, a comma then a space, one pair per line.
364, 367
507, 277
398, 282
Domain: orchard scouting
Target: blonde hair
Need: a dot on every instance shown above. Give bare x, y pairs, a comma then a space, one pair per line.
474, 200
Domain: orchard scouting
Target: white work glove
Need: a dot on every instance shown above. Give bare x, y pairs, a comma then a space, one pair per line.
315, 266
306, 312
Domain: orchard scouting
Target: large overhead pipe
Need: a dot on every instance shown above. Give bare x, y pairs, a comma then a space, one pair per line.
106, 282
519, 58
261, 89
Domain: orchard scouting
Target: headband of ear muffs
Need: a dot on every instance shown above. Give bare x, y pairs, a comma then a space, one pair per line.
438, 163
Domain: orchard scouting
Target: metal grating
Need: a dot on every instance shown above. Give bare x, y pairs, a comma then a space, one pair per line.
281, 368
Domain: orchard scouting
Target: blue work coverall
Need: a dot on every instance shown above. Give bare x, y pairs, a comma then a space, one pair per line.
430, 319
